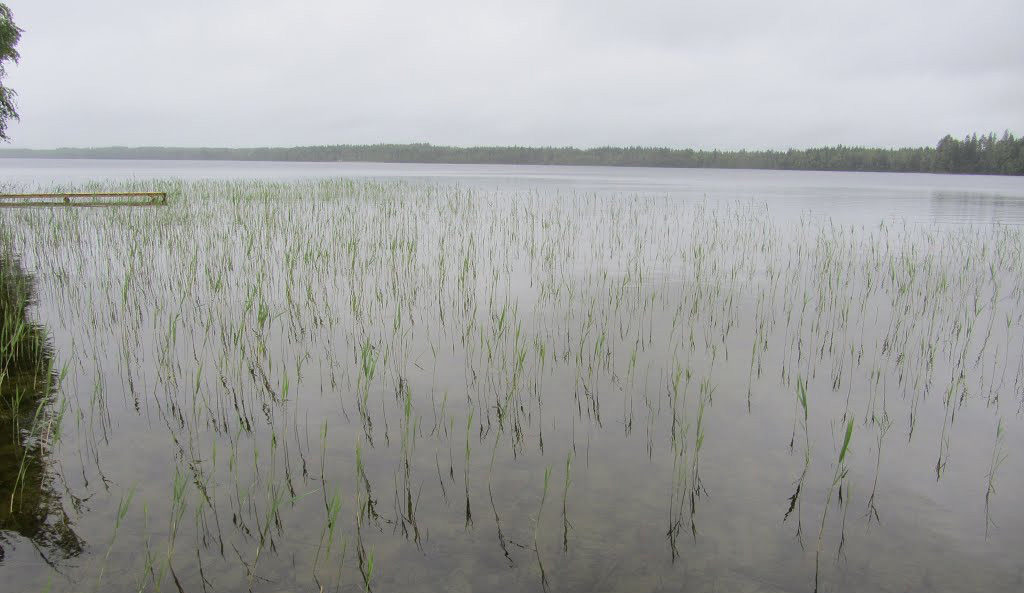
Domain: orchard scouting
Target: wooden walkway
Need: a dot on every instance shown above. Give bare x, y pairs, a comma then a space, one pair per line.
86, 200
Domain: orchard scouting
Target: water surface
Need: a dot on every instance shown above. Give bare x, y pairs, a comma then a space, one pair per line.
846, 196
514, 379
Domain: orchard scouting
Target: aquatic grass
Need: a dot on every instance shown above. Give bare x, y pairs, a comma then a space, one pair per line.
999, 456
122, 511
249, 320
840, 473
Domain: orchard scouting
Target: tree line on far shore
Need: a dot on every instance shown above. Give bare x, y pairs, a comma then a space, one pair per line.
985, 154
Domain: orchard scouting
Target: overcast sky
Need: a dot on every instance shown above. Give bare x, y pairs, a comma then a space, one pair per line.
710, 74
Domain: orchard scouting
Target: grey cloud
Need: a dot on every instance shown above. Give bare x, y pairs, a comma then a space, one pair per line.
716, 75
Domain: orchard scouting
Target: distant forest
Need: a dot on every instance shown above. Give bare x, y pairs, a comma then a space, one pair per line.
986, 154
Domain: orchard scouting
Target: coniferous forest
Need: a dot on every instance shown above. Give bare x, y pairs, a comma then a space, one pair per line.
984, 154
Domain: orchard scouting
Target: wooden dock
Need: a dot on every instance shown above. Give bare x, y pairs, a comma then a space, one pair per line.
79, 199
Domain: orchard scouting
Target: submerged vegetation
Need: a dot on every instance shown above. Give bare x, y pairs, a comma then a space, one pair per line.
318, 385
987, 154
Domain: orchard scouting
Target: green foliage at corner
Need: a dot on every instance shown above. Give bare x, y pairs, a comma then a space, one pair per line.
10, 34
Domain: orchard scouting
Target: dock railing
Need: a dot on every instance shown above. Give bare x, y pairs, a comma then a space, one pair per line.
123, 198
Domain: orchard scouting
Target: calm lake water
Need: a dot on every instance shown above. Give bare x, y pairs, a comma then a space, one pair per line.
847, 197
505, 378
